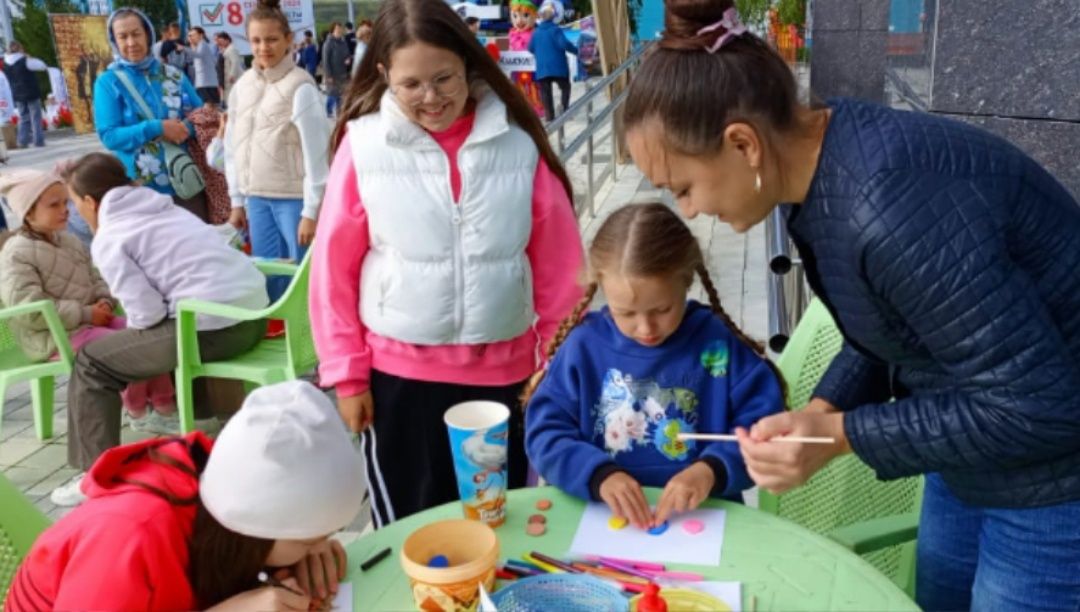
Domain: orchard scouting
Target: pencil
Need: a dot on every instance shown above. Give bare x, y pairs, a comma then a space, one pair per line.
270, 581
734, 438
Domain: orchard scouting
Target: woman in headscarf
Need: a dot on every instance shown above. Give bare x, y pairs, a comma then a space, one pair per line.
121, 124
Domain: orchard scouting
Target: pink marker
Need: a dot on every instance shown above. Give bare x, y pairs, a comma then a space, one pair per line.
655, 567
624, 568
687, 576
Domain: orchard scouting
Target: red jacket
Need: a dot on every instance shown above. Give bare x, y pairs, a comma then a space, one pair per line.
125, 548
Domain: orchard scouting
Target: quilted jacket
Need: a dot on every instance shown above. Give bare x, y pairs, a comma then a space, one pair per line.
951, 263
31, 270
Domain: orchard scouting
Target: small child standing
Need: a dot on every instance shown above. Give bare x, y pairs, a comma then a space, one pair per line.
605, 418
42, 261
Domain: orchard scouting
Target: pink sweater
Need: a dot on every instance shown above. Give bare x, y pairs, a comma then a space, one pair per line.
348, 350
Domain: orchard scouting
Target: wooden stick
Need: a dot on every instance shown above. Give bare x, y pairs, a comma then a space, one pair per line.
734, 438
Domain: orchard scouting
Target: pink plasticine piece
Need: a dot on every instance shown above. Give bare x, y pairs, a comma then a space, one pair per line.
693, 526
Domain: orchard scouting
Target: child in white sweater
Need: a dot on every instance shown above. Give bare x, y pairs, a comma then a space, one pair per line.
152, 254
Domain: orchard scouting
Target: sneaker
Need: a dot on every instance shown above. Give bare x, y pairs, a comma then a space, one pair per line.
157, 423
69, 493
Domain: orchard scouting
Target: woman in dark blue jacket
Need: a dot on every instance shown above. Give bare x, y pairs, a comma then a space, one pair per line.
951, 263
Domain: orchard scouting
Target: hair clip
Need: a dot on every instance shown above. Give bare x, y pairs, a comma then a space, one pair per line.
732, 25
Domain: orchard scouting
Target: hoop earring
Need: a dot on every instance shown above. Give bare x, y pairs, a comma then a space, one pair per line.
757, 183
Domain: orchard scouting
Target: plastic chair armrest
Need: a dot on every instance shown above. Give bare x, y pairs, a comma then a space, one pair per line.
277, 268
876, 534
221, 310
52, 320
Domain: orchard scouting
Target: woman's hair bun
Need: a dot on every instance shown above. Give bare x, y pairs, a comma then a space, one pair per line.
683, 19
274, 5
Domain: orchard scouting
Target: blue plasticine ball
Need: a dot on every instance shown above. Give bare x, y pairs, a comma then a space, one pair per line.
659, 529
438, 561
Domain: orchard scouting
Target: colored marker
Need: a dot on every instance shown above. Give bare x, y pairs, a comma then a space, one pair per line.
555, 563
613, 575
643, 565
505, 575
551, 569
626, 569
374, 560
522, 566
687, 576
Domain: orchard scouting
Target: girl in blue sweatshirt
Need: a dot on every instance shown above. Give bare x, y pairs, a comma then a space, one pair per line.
603, 420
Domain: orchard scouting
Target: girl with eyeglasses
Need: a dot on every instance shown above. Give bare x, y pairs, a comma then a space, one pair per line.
448, 251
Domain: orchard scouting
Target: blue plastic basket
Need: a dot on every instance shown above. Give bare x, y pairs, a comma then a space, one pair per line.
562, 592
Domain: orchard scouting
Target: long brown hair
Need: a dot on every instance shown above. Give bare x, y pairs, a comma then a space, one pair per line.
221, 563
696, 94
646, 241
400, 23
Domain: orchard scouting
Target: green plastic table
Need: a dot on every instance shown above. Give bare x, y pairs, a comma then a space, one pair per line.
782, 565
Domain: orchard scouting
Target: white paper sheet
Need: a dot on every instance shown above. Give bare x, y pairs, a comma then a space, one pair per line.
727, 592
343, 601
594, 537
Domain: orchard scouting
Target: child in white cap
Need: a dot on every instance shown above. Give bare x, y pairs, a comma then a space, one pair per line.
42, 261
186, 523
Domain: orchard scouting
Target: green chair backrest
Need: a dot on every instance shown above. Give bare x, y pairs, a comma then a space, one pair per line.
292, 307
846, 491
20, 525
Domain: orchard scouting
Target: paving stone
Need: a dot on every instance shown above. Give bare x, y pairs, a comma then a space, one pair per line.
25, 477
16, 449
41, 490
50, 457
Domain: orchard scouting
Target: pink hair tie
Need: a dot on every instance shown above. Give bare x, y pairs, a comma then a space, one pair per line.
732, 28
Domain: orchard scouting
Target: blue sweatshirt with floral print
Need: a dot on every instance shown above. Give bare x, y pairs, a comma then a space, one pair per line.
124, 130
610, 404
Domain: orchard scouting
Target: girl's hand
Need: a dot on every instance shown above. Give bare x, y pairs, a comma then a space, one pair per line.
268, 598
624, 496
306, 232
174, 130
223, 118
820, 406
322, 570
357, 411
685, 491
780, 466
101, 314
238, 218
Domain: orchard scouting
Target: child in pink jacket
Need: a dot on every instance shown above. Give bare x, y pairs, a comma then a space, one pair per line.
447, 252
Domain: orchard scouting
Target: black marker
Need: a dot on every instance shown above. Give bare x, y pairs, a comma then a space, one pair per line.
374, 560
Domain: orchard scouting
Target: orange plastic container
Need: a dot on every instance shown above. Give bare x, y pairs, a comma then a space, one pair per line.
471, 547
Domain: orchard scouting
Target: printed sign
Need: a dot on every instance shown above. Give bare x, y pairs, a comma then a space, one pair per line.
517, 61
230, 16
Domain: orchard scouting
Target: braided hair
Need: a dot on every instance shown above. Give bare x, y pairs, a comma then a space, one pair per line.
646, 240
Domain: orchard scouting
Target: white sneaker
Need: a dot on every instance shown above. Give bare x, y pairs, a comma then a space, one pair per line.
155, 422
69, 493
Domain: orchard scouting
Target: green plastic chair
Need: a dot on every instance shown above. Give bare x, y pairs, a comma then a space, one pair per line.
271, 361
845, 501
20, 525
15, 366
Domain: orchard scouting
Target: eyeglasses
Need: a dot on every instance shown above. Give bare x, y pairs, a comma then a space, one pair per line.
413, 93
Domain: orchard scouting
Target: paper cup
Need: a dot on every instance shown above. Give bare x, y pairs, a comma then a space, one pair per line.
479, 432
472, 550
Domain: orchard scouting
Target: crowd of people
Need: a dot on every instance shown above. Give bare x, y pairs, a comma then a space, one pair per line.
445, 266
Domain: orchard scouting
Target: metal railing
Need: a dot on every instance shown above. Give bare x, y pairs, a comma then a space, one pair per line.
787, 293
593, 122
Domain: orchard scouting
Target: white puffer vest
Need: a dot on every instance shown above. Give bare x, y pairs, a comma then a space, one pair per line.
264, 142
439, 272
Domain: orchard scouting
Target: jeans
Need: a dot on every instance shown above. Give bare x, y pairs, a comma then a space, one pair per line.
30, 119
332, 102
273, 223
989, 559
547, 95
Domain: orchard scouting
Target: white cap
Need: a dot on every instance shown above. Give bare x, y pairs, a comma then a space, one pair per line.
284, 467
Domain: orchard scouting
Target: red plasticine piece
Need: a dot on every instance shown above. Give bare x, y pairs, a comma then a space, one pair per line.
538, 518
536, 529
543, 504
